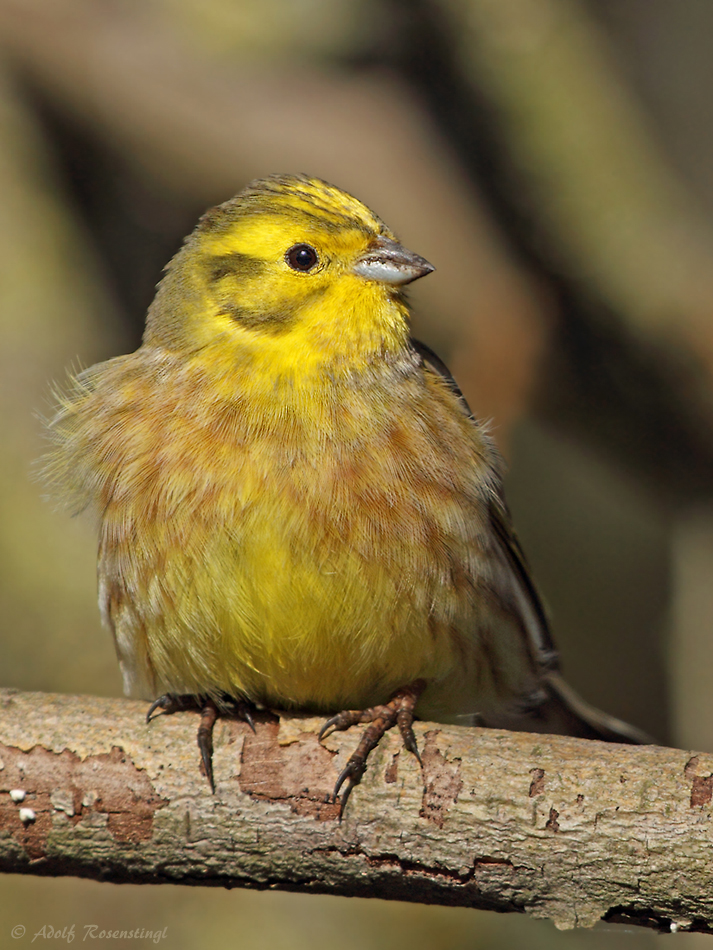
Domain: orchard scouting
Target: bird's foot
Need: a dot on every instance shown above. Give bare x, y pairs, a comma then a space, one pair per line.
210, 709
397, 712
171, 703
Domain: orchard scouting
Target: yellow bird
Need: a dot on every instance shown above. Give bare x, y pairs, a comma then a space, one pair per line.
297, 508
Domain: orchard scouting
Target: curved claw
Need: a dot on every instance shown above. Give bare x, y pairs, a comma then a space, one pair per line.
245, 712
408, 737
329, 724
353, 771
209, 709
239, 708
398, 711
209, 714
164, 703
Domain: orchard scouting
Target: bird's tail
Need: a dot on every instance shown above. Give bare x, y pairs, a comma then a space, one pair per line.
564, 712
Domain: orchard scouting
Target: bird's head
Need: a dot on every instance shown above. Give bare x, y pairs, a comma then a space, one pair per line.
290, 266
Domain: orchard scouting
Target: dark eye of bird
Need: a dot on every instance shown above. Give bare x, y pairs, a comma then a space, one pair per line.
301, 257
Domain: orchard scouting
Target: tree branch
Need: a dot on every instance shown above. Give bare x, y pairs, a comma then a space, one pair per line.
555, 827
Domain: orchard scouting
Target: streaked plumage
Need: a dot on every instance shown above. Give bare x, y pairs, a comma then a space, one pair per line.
296, 505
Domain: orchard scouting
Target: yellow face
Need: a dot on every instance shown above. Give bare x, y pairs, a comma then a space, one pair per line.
290, 260
270, 270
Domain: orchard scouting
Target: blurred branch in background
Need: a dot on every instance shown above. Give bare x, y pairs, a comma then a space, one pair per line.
541, 116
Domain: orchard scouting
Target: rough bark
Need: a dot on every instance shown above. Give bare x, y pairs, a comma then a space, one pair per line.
555, 827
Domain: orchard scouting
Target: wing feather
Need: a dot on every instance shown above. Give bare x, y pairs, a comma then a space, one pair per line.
556, 707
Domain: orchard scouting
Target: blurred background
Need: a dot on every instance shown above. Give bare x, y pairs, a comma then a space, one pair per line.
554, 160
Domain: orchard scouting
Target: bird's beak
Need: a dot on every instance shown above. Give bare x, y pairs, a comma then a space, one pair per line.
390, 263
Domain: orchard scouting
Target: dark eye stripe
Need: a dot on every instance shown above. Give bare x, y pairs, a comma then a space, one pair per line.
233, 265
273, 322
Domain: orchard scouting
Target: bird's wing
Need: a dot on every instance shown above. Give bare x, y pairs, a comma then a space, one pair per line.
558, 708
524, 593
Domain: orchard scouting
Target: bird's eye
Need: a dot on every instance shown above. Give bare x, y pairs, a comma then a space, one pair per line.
301, 257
